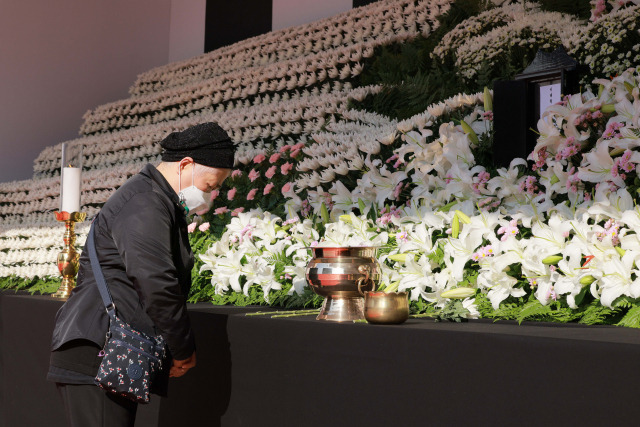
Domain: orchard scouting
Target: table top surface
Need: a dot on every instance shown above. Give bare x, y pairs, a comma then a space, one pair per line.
571, 331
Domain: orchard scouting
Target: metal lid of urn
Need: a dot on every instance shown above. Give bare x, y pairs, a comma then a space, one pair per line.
342, 275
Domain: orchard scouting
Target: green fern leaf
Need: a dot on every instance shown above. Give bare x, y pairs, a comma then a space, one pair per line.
533, 309
631, 319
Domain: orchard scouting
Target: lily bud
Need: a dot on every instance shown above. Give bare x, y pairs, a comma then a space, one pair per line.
345, 218
469, 131
458, 293
463, 217
398, 257
455, 227
620, 251
324, 213
587, 280
488, 102
552, 259
392, 286
608, 108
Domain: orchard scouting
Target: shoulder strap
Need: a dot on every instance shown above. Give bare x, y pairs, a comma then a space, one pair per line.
97, 273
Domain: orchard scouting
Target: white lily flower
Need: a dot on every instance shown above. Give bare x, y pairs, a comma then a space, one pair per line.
617, 279
499, 284
599, 166
415, 273
461, 251
506, 183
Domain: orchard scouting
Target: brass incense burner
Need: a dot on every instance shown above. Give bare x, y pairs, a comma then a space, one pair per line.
386, 308
342, 275
68, 259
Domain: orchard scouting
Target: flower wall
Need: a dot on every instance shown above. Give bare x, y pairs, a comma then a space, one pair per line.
262, 90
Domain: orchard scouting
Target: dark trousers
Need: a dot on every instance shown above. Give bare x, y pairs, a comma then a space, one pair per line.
90, 406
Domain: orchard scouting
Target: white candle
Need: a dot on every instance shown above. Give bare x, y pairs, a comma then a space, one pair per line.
70, 190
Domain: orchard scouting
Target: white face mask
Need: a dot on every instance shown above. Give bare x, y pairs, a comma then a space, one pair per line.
191, 198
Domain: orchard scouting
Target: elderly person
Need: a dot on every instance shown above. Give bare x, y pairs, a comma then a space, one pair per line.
143, 248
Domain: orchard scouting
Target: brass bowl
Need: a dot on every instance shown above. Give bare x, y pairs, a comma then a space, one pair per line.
341, 275
386, 308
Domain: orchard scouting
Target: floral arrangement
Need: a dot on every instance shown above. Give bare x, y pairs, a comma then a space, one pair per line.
504, 35
510, 241
599, 8
380, 23
269, 117
610, 44
189, 96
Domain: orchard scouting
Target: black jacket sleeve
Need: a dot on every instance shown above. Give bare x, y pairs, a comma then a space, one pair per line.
142, 232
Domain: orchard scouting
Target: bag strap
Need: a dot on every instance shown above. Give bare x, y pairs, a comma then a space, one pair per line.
97, 273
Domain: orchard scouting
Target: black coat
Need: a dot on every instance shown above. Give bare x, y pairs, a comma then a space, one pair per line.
143, 247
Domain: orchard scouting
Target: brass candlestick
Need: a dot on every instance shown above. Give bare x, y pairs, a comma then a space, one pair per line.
68, 259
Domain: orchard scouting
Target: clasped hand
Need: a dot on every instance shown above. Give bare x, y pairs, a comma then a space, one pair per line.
180, 367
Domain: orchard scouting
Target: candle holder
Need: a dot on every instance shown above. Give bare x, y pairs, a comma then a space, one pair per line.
68, 259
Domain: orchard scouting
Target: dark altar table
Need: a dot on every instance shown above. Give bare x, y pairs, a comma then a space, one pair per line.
259, 371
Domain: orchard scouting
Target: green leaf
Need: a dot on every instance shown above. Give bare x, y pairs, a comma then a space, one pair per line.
533, 309
631, 319
362, 206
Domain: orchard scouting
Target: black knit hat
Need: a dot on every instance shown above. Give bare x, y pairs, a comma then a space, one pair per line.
207, 144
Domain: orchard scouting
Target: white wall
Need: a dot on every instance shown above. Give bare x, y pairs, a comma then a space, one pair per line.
186, 35
60, 58
287, 13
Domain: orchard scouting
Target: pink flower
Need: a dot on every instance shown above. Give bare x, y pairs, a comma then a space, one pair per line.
268, 188
402, 237
236, 173
479, 182
191, 227
252, 194
237, 211
286, 188
203, 211
221, 211
397, 190
483, 252
298, 146
294, 153
214, 194
509, 230
204, 226
259, 158
232, 193
274, 158
286, 168
285, 148
270, 172
253, 175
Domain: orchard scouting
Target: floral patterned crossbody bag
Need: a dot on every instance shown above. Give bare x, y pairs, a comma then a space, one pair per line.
131, 359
